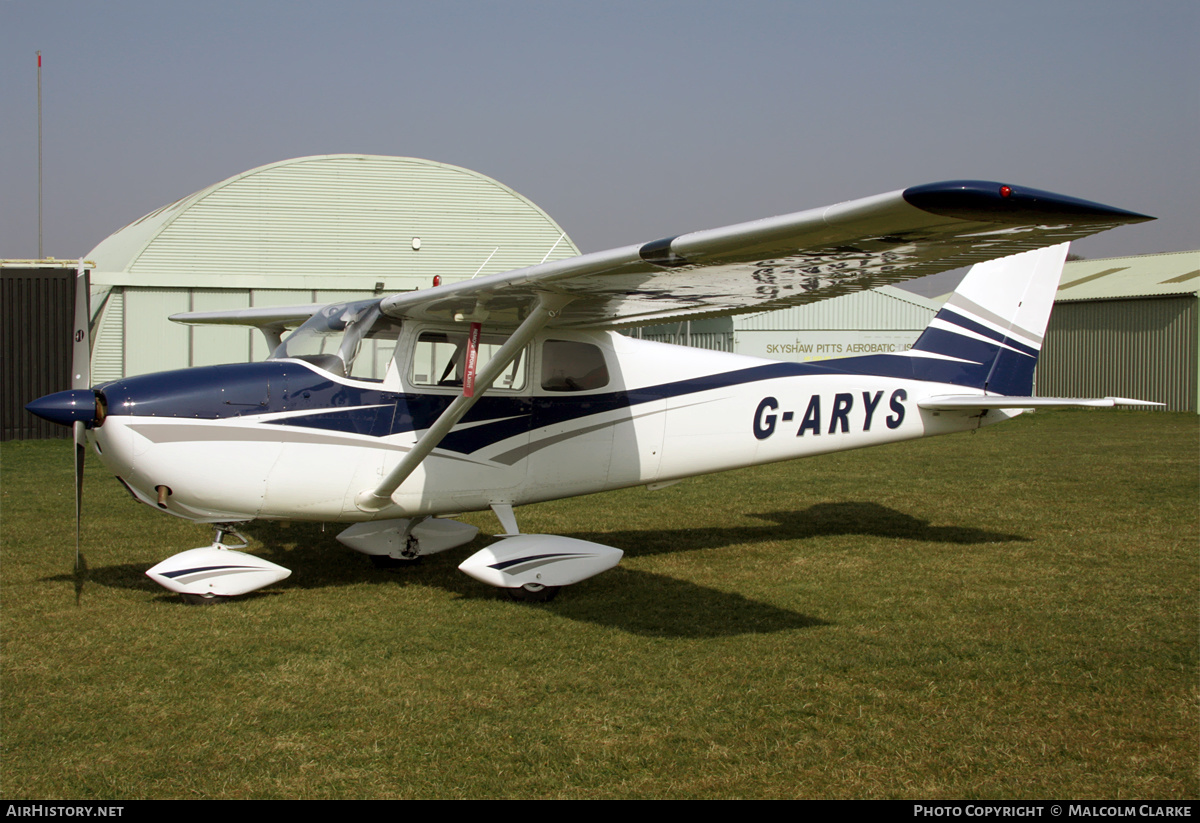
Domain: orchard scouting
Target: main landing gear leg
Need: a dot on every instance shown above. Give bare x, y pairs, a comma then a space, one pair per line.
529, 592
410, 555
222, 530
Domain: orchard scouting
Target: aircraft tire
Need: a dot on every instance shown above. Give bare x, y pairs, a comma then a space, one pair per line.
533, 593
201, 599
386, 561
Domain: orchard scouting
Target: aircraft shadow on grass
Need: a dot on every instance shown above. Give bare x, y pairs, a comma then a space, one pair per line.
820, 520
632, 600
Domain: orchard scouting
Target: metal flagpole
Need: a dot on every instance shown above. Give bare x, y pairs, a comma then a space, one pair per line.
39, 81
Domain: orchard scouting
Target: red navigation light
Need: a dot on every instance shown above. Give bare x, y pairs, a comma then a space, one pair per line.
437, 280
1005, 191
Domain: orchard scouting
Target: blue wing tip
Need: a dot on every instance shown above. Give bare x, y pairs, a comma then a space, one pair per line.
985, 200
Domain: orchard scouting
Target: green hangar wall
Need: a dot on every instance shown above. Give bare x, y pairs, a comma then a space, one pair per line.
301, 231
1126, 327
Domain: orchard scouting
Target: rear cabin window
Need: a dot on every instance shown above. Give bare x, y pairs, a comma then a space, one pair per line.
440, 360
569, 366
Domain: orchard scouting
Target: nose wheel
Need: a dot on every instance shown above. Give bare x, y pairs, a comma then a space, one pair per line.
216, 572
533, 593
200, 599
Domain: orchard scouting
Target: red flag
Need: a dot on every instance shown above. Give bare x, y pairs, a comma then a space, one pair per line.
472, 359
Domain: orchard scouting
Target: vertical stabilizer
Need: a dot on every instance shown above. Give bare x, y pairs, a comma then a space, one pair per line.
994, 322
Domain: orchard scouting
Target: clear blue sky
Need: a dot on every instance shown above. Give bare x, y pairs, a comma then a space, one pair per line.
626, 121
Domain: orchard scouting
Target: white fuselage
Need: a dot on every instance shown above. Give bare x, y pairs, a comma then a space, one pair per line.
301, 443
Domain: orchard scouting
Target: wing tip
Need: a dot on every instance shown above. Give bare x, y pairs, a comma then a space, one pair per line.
987, 200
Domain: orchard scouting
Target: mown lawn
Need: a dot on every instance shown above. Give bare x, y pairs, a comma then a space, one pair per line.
1012, 613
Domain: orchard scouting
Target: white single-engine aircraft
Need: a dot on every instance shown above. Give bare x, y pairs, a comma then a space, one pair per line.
512, 389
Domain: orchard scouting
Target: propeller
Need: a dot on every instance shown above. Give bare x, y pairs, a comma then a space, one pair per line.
81, 379
78, 407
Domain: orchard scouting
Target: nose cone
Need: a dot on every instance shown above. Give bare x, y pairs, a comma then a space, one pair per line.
66, 407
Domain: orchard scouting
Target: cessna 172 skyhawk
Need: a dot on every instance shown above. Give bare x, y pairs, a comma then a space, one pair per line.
513, 388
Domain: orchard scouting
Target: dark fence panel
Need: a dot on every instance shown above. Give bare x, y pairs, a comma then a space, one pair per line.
36, 322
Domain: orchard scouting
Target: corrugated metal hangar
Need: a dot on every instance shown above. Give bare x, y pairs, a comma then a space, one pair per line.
882, 320
308, 230
886, 319
1126, 327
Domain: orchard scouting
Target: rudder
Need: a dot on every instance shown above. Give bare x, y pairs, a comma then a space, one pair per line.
994, 322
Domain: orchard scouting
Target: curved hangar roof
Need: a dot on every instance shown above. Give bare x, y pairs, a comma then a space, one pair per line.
336, 221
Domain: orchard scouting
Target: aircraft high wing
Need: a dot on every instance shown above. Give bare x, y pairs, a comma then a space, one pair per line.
548, 403
779, 261
757, 266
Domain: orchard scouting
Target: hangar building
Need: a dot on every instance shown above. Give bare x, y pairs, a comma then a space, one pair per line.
1126, 327
302, 231
886, 319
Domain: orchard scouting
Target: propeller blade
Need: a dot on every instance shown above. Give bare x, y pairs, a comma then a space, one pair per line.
81, 378
80, 431
81, 347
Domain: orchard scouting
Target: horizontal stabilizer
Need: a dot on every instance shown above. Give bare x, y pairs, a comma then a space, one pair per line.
270, 317
959, 402
272, 321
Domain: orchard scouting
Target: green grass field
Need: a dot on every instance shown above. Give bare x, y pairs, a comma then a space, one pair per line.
1007, 614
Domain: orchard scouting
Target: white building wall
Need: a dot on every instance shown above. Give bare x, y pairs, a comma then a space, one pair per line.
869, 322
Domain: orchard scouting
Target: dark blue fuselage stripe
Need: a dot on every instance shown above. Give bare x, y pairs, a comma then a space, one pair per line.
943, 341
200, 569
956, 319
504, 564
274, 387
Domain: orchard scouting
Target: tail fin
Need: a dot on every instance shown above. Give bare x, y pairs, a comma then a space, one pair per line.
994, 322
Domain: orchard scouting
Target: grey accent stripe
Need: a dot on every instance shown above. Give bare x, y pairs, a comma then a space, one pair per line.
217, 433
957, 301
538, 562
521, 452
511, 456
196, 577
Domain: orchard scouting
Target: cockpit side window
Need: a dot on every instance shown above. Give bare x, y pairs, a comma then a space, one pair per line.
439, 359
570, 366
375, 351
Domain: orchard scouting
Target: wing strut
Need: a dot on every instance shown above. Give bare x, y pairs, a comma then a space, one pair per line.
548, 306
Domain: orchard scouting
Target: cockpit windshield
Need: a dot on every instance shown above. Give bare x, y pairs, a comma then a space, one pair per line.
347, 339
